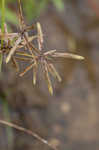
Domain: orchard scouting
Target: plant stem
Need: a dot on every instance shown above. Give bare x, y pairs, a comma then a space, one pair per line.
9, 131
3, 15
2, 28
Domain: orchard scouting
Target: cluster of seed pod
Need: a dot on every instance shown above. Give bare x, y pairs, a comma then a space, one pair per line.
35, 56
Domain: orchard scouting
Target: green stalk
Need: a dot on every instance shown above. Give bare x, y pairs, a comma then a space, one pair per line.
2, 28
3, 15
9, 130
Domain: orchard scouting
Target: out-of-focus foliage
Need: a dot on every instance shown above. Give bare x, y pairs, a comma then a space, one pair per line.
32, 8
11, 17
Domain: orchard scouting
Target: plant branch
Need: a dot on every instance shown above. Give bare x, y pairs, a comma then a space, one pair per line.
28, 132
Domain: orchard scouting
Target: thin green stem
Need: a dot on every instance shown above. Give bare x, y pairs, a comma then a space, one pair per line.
3, 15
2, 28
7, 118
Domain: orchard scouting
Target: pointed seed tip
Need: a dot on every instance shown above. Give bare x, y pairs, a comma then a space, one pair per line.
51, 91
60, 80
7, 60
34, 82
79, 57
82, 58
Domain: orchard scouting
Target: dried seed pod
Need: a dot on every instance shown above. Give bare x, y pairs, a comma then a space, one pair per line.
51, 52
35, 73
47, 78
22, 36
53, 71
12, 51
35, 56
67, 55
40, 36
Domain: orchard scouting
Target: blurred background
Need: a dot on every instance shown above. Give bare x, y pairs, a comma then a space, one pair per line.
68, 119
